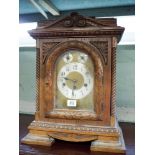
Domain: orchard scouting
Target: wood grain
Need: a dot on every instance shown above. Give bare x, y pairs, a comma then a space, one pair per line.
98, 39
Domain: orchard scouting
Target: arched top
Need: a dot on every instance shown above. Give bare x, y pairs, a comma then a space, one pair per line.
78, 45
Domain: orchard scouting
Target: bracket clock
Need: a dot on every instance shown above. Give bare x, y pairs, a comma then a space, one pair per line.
76, 83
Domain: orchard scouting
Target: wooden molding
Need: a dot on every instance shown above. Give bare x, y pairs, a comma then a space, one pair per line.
72, 137
66, 114
37, 79
98, 130
78, 26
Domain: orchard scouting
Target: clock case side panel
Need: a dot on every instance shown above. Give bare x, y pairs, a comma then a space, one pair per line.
100, 109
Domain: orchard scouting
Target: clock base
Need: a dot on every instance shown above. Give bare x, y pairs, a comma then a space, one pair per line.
109, 146
105, 139
35, 139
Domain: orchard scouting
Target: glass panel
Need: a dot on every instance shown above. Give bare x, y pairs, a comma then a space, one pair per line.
75, 81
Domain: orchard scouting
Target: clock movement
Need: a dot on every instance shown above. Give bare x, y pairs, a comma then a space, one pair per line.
76, 83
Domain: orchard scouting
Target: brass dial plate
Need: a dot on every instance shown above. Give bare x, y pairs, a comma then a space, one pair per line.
75, 80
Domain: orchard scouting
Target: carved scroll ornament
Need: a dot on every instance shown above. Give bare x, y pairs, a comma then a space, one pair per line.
102, 46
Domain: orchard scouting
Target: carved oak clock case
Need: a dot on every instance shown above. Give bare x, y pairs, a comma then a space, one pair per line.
76, 83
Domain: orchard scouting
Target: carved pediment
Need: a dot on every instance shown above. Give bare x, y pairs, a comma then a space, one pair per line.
75, 25
76, 20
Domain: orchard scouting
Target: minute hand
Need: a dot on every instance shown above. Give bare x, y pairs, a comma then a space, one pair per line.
70, 79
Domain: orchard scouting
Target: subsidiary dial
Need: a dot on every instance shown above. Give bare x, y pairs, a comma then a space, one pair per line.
82, 58
68, 57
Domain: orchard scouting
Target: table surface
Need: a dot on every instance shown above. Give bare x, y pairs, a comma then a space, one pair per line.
71, 148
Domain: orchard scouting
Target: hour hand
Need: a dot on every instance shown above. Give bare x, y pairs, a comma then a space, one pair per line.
66, 78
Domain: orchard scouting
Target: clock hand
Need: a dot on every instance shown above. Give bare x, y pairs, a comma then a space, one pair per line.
74, 81
74, 87
67, 79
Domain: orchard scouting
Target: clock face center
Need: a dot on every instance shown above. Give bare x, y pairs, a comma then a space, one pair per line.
75, 79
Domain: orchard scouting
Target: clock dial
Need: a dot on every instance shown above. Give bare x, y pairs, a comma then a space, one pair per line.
74, 80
